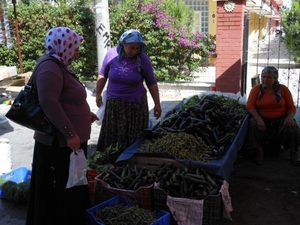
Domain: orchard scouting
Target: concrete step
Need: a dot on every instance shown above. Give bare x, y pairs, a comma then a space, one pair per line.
184, 89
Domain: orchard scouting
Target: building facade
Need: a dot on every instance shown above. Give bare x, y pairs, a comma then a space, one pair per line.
236, 24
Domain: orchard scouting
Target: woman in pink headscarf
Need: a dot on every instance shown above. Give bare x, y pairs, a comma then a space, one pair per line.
63, 100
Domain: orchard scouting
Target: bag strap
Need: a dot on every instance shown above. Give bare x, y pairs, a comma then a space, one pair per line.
30, 81
31, 87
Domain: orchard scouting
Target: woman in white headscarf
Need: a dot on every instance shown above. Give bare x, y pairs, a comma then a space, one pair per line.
125, 68
63, 100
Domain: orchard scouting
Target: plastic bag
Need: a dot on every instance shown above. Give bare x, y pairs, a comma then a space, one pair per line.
101, 110
77, 169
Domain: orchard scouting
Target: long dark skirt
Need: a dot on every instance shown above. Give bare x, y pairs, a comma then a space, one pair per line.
123, 122
288, 137
50, 202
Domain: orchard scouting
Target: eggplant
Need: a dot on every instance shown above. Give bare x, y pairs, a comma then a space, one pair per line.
204, 135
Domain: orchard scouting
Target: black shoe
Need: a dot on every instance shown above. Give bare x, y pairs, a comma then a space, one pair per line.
295, 162
259, 156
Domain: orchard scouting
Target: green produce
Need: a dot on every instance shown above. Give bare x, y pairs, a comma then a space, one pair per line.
2, 181
183, 182
189, 182
213, 120
17, 192
124, 215
101, 161
181, 145
9, 188
128, 177
194, 100
22, 192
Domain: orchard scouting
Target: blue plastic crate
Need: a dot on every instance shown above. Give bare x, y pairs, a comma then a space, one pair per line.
21, 174
91, 213
164, 217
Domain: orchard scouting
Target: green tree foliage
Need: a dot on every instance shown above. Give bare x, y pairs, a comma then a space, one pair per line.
291, 28
35, 19
174, 50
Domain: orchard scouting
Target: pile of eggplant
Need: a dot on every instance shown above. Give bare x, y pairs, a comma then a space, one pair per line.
212, 119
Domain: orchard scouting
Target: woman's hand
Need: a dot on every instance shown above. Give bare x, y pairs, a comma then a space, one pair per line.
261, 124
289, 121
98, 100
74, 143
157, 111
94, 117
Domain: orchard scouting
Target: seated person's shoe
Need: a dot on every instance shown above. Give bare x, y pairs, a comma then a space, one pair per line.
295, 162
259, 156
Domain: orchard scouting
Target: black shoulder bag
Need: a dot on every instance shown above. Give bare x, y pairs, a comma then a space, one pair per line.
26, 111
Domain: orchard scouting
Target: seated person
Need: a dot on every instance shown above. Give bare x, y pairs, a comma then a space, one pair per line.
270, 104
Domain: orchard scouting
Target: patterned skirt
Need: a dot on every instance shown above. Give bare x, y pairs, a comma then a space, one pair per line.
123, 123
288, 137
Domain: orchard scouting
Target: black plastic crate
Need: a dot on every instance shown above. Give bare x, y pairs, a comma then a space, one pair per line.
212, 207
160, 203
213, 210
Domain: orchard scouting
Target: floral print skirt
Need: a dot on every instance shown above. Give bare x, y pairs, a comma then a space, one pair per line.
123, 123
288, 137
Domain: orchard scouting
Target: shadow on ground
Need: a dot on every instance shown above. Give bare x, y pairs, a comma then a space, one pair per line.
265, 194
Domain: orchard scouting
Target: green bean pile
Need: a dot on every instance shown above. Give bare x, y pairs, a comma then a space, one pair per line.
124, 215
181, 145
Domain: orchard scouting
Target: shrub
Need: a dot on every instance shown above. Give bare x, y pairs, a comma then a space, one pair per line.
35, 19
291, 28
174, 50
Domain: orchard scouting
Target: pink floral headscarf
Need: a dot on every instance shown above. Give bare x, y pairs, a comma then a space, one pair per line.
62, 43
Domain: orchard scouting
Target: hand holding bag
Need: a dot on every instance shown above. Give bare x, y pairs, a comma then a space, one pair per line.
77, 169
26, 111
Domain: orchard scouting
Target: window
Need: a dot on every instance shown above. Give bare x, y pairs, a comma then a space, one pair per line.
200, 8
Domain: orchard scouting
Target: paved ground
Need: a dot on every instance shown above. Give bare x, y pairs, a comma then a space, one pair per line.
265, 194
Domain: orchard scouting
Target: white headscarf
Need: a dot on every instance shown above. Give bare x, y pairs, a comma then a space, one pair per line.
62, 43
131, 36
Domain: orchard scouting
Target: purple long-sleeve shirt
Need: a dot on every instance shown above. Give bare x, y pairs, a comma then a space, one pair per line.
125, 80
63, 101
